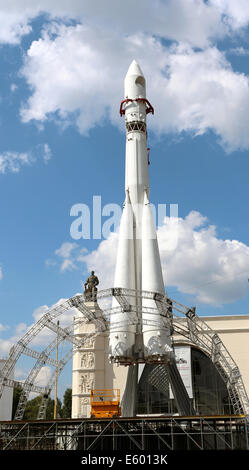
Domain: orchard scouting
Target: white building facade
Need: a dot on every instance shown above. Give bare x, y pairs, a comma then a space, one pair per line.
6, 399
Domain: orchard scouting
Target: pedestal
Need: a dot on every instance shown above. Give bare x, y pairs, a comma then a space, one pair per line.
91, 368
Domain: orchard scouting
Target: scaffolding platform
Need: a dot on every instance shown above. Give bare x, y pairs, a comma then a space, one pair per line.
133, 434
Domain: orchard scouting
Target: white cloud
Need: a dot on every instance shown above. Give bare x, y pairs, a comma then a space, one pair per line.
194, 21
20, 373
47, 153
66, 249
236, 12
1, 273
76, 72
240, 51
3, 327
11, 161
203, 93
103, 260
68, 256
76, 75
43, 376
213, 270
68, 265
13, 25
50, 262
13, 87
5, 344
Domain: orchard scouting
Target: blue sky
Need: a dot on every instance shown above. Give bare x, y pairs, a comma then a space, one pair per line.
62, 143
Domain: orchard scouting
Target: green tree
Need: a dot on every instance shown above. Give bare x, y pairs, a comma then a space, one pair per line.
67, 404
50, 409
16, 396
32, 408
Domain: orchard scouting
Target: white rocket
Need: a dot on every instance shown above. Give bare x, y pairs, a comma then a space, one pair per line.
139, 334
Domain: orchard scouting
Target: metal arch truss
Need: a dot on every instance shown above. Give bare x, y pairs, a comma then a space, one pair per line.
21, 348
166, 314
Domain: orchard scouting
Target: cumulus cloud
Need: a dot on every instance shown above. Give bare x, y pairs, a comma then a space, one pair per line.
240, 51
68, 255
6, 343
11, 161
65, 249
203, 93
65, 252
194, 21
1, 273
103, 260
72, 67
197, 22
13, 25
235, 13
213, 270
43, 376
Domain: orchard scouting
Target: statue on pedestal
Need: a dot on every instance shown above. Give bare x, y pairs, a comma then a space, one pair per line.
90, 291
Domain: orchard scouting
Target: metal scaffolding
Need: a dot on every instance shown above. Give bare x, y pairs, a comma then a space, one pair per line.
182, 321
133, 434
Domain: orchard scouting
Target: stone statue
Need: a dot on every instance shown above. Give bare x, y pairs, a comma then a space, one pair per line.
90, 291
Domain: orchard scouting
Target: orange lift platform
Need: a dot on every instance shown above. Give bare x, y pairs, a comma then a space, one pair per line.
105, 403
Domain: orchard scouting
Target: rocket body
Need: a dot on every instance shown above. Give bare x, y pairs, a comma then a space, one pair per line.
137, 335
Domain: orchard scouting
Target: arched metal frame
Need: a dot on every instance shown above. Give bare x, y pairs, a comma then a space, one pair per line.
187, 324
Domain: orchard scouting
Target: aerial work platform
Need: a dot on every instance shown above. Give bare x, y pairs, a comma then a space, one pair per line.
105, 403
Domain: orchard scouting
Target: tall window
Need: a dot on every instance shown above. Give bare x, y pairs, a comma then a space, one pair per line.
210, 395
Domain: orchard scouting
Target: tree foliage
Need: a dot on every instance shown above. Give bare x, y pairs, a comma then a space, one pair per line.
32, 406
67, 404
16, 396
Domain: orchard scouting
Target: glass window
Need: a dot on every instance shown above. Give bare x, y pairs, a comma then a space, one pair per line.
210, 395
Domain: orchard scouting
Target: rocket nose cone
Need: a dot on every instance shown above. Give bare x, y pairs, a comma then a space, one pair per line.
135, 85
135, 69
